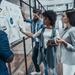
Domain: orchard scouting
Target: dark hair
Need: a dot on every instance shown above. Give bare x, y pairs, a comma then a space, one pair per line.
71, 16
0, 1
37, 11
51, 15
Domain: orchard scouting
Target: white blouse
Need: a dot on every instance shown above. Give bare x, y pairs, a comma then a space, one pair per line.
46, 34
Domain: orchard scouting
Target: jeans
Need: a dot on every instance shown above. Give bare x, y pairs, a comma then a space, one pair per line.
46, 68
34, 58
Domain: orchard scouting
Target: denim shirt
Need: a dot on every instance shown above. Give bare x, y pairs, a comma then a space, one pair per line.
5, 53
39, 25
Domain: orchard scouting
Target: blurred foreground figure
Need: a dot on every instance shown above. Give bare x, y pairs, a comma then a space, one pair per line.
6, 55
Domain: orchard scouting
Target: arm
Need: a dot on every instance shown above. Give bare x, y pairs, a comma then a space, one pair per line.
71, 46
37, 33
5, 52
53, 40
57, 36
29, 34
26, 20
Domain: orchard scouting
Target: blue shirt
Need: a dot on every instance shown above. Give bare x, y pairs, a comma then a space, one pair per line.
36, 27
5, 53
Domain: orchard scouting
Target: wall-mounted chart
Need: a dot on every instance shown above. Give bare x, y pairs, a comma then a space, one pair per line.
10, 20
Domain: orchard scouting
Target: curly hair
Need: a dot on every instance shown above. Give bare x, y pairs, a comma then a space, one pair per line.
51, 16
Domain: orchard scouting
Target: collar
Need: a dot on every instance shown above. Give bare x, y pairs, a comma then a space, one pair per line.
67, 27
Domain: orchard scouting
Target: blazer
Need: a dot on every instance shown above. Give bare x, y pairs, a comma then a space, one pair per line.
5, 53
68, 53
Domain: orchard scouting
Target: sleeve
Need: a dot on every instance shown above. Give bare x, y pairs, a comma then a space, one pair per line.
71, 46
28, 20
41, 24
5, 52
57, 35
37, 33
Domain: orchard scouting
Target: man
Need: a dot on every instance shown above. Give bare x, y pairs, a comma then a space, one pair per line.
36, 25
6, 56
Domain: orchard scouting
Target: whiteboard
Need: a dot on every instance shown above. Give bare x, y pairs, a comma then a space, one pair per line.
10, 20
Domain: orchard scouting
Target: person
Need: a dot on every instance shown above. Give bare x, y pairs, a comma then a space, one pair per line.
6, 55
67, 43
36, 25
48, 33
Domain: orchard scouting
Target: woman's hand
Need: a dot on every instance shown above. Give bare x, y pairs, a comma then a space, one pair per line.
61, 41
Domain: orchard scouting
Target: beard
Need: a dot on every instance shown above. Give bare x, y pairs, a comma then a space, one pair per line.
35, 20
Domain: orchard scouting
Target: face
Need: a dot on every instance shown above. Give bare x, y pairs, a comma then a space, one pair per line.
35, 15
65, 18
46, 21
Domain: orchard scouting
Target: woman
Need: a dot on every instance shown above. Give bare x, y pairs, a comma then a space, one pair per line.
67, 43
48, 35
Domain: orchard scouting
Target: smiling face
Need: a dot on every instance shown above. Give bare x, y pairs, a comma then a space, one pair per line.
65, 19
49, 18
35, 15
46, 20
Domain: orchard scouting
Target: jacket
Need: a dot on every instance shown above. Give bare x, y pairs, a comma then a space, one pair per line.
5, 53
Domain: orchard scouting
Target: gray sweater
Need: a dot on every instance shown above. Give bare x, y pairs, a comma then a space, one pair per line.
68, 53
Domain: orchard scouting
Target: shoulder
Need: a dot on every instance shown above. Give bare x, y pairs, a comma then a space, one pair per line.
2, 33
72, 29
